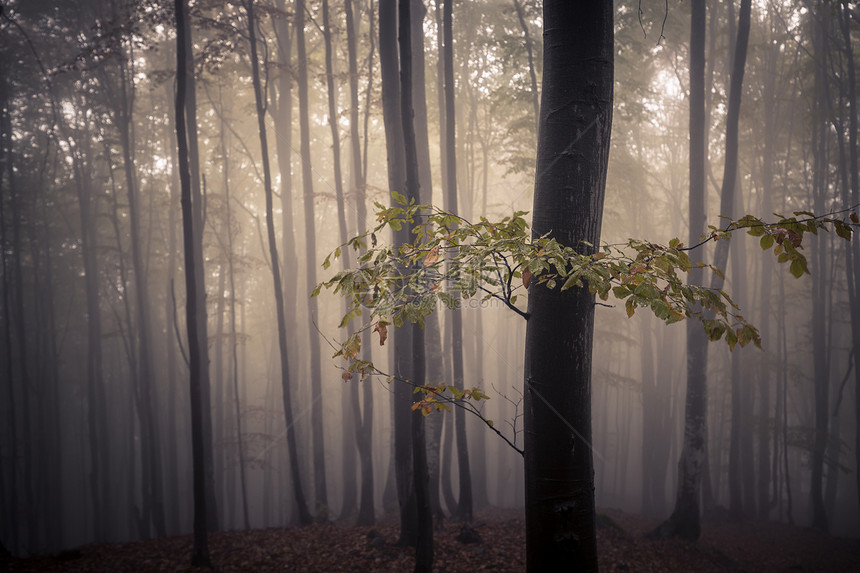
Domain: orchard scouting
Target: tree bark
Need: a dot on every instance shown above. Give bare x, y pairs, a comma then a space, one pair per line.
200, 554
685, 519
572, 158
295, 464
389, 66
320, 495
362, 420
420, 477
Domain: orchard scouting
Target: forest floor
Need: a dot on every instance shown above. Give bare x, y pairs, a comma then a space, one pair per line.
340, 547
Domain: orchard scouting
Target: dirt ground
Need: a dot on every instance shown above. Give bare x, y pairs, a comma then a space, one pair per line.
340, 547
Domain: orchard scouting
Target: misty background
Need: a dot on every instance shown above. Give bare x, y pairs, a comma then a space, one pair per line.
95, 440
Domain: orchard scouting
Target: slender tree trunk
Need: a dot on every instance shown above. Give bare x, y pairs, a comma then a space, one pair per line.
362, 420
200, 555
234, 336
11, 505
853, 253
320, 495
284, 144
685, 519
348, 451
172, 454
395, 147
198, 205
518, 5
821, 395
295, 465
464, 504
573, 153
150, 440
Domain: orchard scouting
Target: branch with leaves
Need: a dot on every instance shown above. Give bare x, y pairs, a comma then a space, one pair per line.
451, 259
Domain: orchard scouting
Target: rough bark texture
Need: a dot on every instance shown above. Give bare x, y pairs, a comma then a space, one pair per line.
573, 152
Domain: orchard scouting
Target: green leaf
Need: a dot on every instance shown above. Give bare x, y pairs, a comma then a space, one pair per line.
621, 292
842, 230
661, 309
731, 338
630, 307
766, 241
399, 198
798, 267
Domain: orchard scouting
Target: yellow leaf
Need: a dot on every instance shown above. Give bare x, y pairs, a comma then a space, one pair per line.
598, 256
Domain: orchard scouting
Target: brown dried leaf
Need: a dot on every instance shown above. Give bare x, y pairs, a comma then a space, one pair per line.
432, 256
382, 329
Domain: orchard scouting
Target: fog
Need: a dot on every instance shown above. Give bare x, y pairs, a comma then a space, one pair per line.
95, 427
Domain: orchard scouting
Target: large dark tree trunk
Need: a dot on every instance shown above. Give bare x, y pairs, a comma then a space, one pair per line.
200, 554
295, 465
572, 158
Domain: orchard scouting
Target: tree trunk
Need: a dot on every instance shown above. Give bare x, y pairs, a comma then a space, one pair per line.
518, 5
573, 153
362, 420
320, 495
150, 435
234, 341
420, 477
200, 555
348, 469
392, 118
464, 503
198, 200
853, 250
685, 519
821, 379
295, 465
